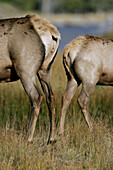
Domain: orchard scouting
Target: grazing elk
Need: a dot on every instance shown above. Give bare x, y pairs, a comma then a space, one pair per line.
28, 46
87, 60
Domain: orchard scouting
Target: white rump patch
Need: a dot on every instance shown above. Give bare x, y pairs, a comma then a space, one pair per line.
47, 40
73, 54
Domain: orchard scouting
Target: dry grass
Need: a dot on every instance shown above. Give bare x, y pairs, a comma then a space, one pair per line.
79, 149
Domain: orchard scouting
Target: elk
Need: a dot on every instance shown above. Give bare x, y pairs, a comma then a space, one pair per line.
87, 60
28, 47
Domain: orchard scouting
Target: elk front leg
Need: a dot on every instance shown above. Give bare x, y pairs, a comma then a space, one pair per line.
44, 78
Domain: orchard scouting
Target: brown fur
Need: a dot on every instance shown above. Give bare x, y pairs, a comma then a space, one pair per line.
27, 49
87, 60
44, 25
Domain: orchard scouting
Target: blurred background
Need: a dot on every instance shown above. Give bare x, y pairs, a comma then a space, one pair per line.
72, 17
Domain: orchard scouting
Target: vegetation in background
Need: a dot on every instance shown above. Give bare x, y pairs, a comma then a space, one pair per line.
109, 35
79, 149
71, 6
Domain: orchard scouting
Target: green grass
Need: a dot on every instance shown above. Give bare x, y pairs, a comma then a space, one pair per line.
79, 149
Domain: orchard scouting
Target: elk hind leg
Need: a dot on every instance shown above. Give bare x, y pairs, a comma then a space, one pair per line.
44, 77
83, 100
72, 85
31, 88
66, 99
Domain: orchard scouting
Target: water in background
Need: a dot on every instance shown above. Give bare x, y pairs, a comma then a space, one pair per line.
70, 32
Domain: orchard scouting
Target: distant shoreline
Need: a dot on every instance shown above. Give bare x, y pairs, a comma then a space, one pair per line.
7, 11
79, 19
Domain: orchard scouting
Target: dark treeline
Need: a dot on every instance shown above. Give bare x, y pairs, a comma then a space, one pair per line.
67, 6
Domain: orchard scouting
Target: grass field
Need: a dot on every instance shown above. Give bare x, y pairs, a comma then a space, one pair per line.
78, 150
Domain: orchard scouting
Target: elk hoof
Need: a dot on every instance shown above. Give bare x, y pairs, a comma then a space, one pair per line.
52, 142
91, 127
